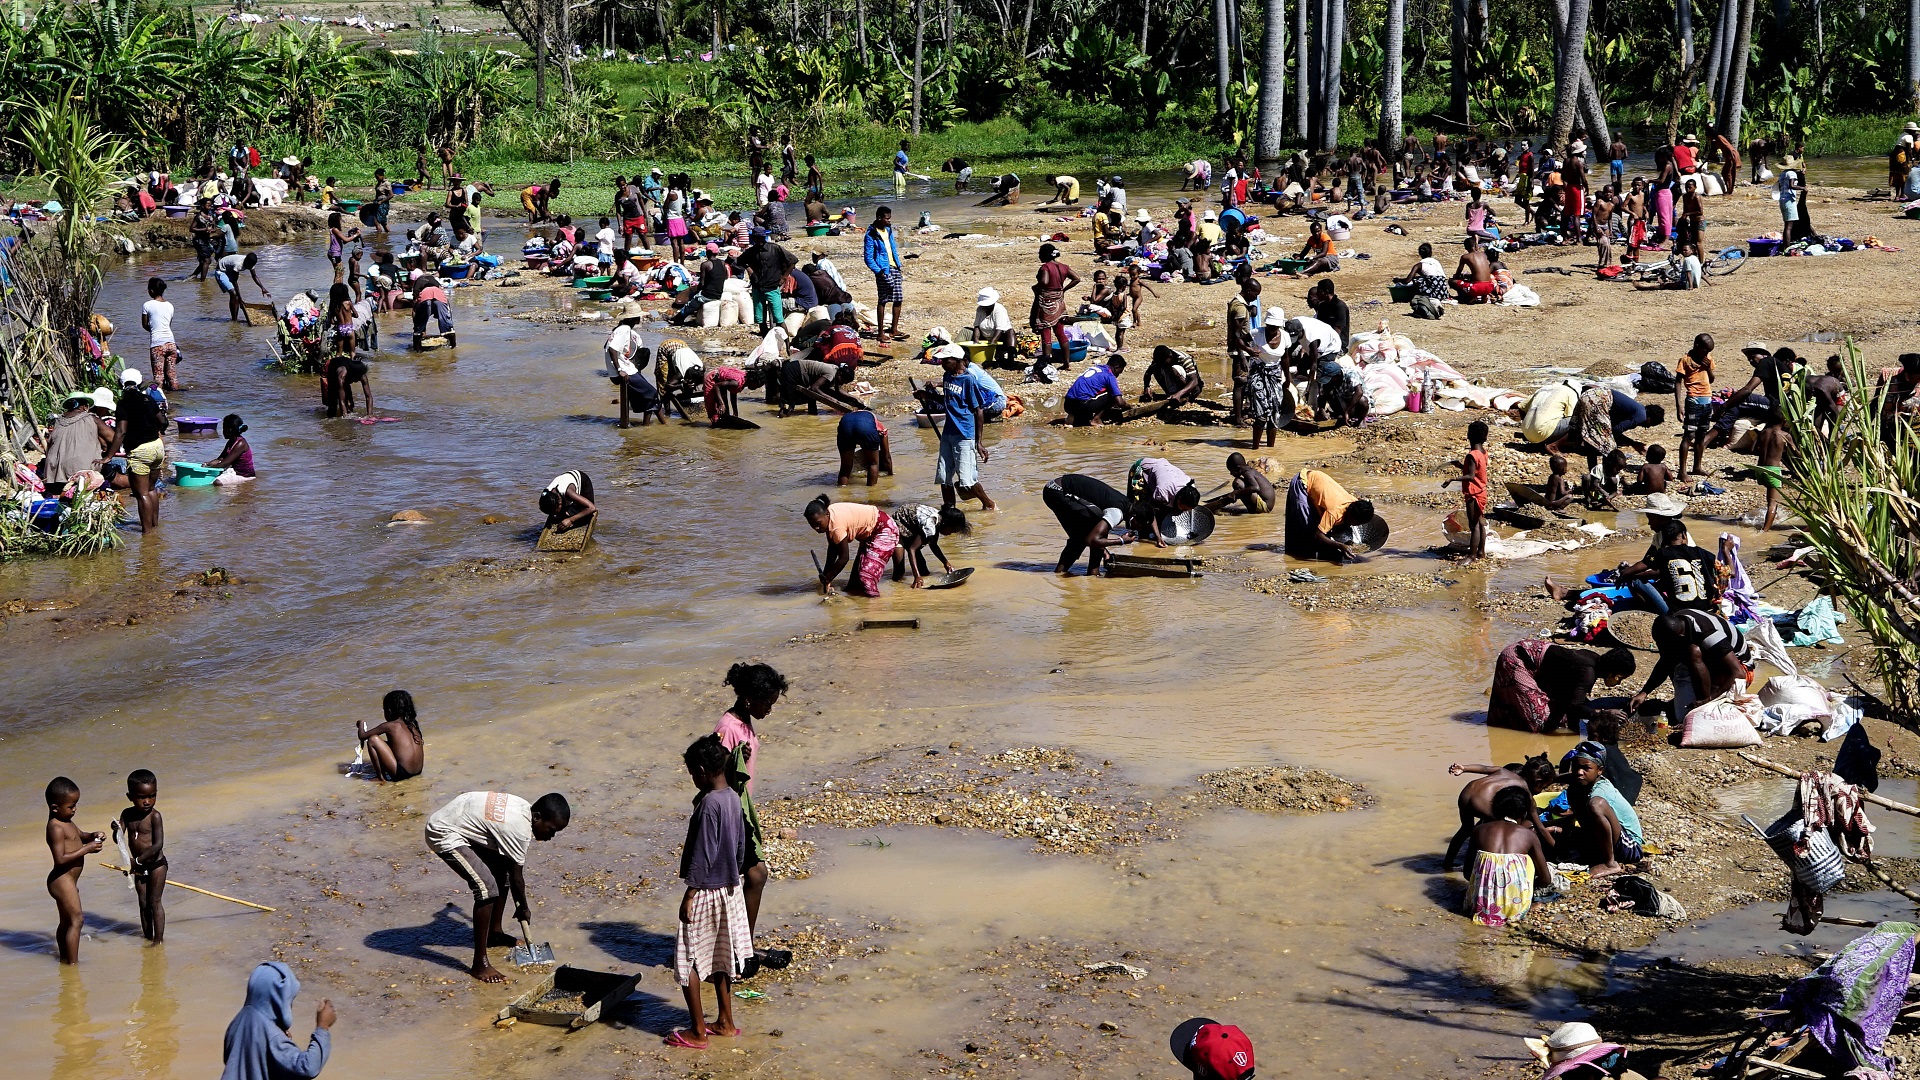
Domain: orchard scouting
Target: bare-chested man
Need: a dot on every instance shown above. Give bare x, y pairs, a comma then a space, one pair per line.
1473, 277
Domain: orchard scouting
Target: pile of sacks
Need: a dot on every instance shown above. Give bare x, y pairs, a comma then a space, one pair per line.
1394, 367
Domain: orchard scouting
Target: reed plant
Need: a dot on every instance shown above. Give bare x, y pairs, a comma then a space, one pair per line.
1856, 486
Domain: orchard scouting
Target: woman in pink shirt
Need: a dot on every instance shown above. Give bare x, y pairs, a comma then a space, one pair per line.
756, 688
844, 523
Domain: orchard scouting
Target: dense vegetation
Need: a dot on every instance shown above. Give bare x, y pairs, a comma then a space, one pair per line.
1107, 79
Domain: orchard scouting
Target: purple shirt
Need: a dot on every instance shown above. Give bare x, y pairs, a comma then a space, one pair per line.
716, 846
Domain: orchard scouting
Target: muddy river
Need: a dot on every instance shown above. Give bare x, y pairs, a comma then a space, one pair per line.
1332, 939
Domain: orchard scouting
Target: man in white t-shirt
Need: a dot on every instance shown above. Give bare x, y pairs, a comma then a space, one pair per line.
485, 836
156, 315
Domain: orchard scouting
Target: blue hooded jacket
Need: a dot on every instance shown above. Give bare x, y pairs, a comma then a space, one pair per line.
257, 1045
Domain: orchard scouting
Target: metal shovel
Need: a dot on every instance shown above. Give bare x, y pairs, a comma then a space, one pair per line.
529, 954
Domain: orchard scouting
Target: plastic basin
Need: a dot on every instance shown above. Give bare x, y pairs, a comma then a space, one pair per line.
818, 230
456, 271
187, 474
1076, 351
1760, 247
197, 425
1401, 294
978, 352
593, 282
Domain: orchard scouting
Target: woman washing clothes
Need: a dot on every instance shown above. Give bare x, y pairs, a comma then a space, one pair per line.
848, 524
75, 440
236, 458
568, 501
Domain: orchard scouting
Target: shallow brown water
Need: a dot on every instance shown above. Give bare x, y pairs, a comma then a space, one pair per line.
1330, 939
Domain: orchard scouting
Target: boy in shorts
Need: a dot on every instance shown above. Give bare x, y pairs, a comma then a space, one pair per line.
1693, 400
484, 836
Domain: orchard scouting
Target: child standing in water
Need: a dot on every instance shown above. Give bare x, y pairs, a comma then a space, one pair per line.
396, 748
715, 938
70, 849
146, 847
1473, 484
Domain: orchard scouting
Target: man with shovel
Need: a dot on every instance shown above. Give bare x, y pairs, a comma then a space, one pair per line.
484, 836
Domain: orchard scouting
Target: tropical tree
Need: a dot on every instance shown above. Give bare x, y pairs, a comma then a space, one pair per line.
1270, 129
313, 72
1392, 104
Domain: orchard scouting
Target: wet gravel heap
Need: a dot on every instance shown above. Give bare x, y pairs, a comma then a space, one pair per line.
1285, 789
1374, 592
1046, 795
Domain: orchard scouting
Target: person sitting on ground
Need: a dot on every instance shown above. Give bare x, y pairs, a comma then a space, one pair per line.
1318, 251
1251, 489
1177, 374
568, 500
862, 440
1674, 573
1508, 863
1316, 505
1541, 687
1095, 397
1473, 277
846, 524
1603, 728
921, 527
1605, 830
1653, 475
485, 837
1559, 490
395, 748
1428, 277
1530, 777
992, 323
1091, 513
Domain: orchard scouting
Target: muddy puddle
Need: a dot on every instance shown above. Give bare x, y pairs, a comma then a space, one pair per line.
1330, 936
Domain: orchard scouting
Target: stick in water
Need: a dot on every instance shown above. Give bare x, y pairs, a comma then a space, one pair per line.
190, 888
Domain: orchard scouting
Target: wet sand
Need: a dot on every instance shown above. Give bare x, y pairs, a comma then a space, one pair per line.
1330, 937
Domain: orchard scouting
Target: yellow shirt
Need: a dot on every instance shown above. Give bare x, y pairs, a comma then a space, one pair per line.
1325, 494
1210, 232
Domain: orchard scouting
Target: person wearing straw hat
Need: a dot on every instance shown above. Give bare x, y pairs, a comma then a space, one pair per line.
626, 366
1577, 1050
1211, 1050
74, 440
1900, 159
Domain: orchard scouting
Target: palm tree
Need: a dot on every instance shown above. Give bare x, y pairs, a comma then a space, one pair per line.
1222, 57
1736, 94
1392, 107
1336, 36
1913, 55
1569, 68
1268, 135
1301, 50
1458, 47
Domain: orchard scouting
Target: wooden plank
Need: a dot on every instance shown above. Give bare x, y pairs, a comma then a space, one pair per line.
908, 623
1153, 566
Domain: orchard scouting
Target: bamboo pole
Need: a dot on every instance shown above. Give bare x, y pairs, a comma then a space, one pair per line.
190, 888
1890, 883
1864, 794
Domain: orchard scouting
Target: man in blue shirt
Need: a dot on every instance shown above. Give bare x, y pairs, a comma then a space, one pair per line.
1095, 396
883, 258
961, 438
900, 162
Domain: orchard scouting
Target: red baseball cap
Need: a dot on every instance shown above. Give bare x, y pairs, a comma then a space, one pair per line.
1214, 1051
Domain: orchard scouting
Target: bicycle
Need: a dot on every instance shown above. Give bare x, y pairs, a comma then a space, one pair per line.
1726, 262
